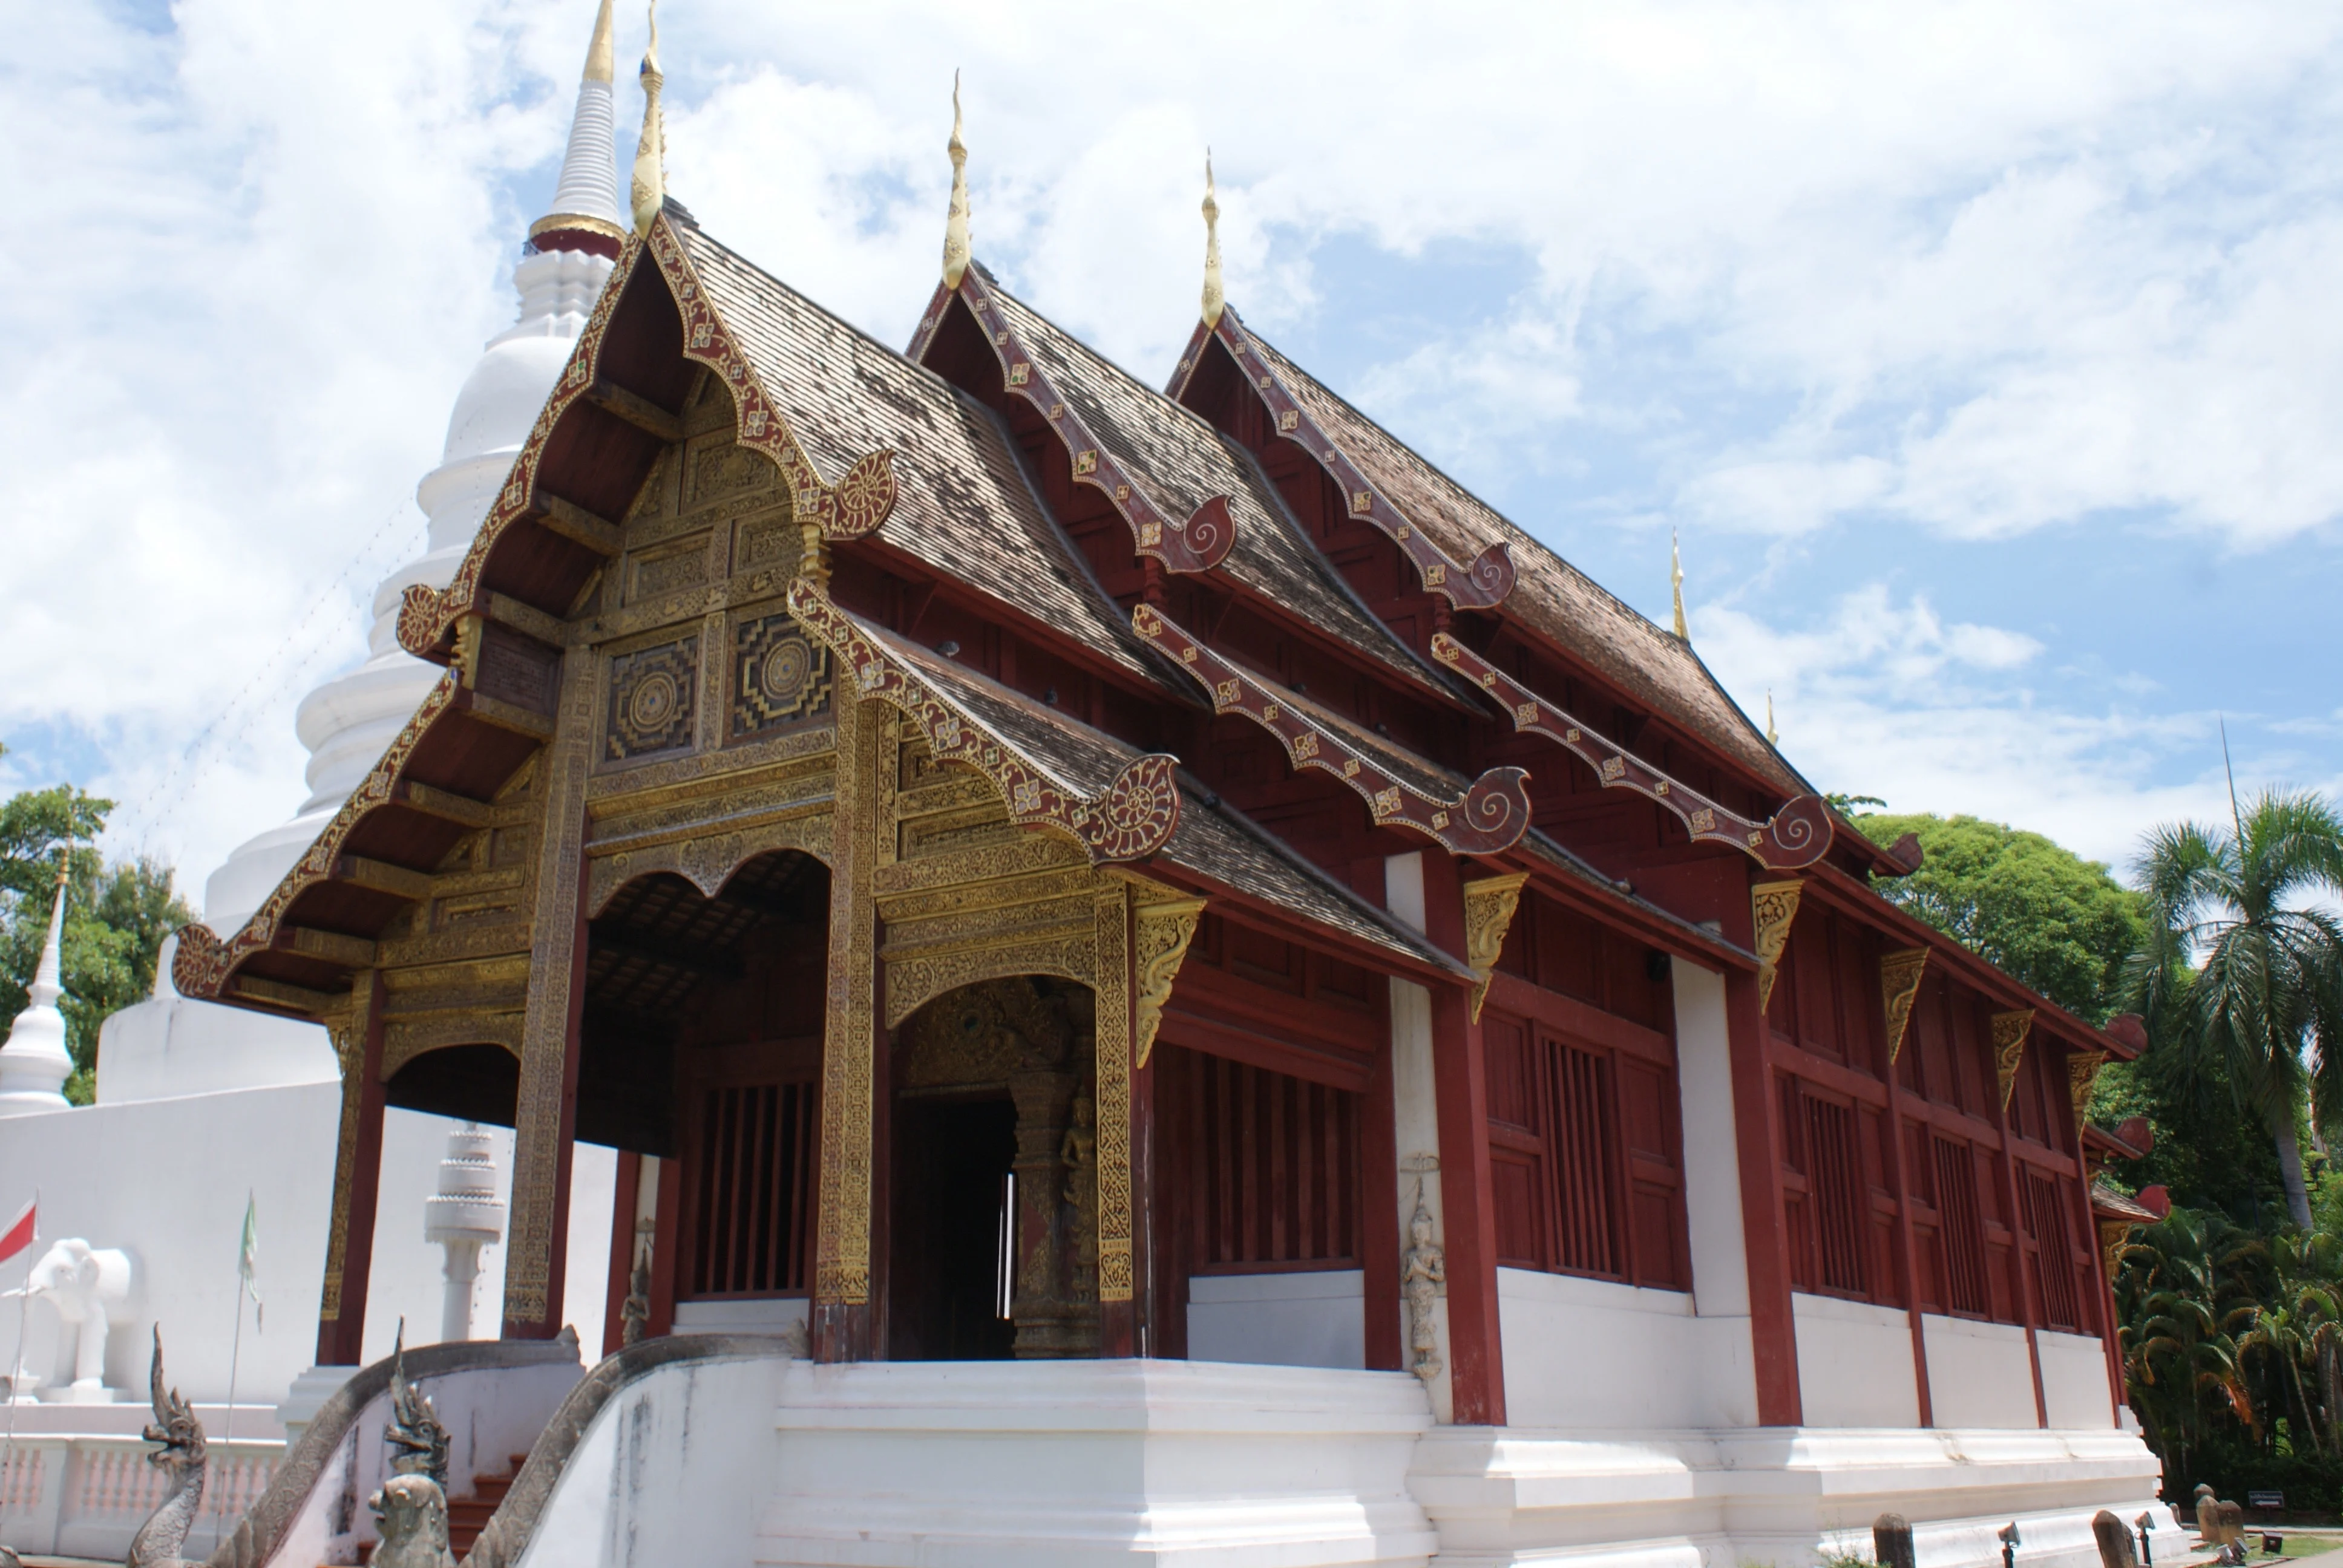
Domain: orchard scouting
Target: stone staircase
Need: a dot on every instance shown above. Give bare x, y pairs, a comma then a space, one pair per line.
467, 1516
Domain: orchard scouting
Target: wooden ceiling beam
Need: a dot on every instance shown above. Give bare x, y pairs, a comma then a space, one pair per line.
635, 409
575, 524
653, 948
382, 877
332, 947
444, 804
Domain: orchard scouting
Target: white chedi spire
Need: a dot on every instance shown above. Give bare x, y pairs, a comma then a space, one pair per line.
35, 1063
464, 1216
351, 720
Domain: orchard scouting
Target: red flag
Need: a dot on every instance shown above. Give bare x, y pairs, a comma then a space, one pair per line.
19, 1233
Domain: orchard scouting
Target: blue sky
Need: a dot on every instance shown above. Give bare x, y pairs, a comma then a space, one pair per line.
1987, 358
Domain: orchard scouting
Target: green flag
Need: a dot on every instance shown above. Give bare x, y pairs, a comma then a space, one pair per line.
247, 1262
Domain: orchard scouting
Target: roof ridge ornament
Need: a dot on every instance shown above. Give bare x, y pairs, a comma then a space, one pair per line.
1676, 584
956, 250
1215, 291
1773, 737
649, 187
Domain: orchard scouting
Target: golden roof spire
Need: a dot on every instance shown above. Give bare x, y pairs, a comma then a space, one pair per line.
650, 153
1773, 738
956, 220
602, 54
1675, 581
1215, 294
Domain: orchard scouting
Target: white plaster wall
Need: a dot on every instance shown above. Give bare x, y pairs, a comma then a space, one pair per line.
1979, 1375
1304, 1318
767, 1315
672, 1470
2075, 1380
165, 1181
1712, 1145
1854, 1365
168, 1046
1590, 1353
1064, 1465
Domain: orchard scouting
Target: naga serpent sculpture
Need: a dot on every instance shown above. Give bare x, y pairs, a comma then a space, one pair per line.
181, 1457
410, 1509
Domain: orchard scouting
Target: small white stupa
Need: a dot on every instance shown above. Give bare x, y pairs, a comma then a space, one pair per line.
35, 1063
464, 1216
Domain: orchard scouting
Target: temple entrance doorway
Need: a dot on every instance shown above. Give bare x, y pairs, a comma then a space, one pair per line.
993, 1209
951, 1270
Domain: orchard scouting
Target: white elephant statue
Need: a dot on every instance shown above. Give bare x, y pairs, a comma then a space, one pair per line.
90, 1288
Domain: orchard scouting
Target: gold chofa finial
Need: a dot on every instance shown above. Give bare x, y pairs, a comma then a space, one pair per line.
602, 54
1675, 582
650, 153
1215, 294
1773, 738
956, 220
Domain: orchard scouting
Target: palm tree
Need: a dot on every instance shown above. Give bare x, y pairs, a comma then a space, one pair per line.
2265, 1002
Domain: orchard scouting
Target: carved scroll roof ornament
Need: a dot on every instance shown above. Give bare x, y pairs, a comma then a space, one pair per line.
1793, 838
1899, 985
1481, 585
1771, 907
2010, 1031
1491, 815
1196, 544
1675, 586
853, 507
1489, 906
1130, 820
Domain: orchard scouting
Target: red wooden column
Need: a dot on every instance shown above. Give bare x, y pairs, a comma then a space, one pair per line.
1757, 1138
357, 1179
1476, 1371
2023, 1283
626, 1193
1379, 1227
1907, 1257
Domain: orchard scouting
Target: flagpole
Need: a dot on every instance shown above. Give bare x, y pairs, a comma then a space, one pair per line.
16, 1367
235, 1352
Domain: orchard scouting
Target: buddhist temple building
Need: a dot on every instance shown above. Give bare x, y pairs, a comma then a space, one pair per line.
1143, 911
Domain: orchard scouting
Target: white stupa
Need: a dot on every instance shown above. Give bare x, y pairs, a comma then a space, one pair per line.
163, 1047
35, 1063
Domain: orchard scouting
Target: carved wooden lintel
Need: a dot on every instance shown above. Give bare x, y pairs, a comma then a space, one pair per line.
634, 408
444, 804
1899, 983
382, 877
1165, 930
1489, 905
1773, 906
2009, 1032
352, 953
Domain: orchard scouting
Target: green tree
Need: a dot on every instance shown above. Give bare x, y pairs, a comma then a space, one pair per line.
2042, 914
2263, 1004
116, 916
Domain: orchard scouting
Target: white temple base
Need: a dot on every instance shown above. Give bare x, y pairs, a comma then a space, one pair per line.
1774, 1494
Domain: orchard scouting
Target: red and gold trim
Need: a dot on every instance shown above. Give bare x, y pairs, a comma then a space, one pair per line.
1489, 817
1130, 820
1795, 836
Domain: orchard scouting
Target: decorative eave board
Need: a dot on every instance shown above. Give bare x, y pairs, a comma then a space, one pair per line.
1128, 820
1196, 543
205, 962
1483, 585
1796, 837
1490, 816
856, 504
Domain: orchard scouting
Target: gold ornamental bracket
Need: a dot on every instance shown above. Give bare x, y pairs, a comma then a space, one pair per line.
1165, 930
853, 507
1130, 820
2082, 1077
1490, 816
1899, 984
1792, 838
1489, 906
1195, 544
2010, 1031
1481, 585
1771, 907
